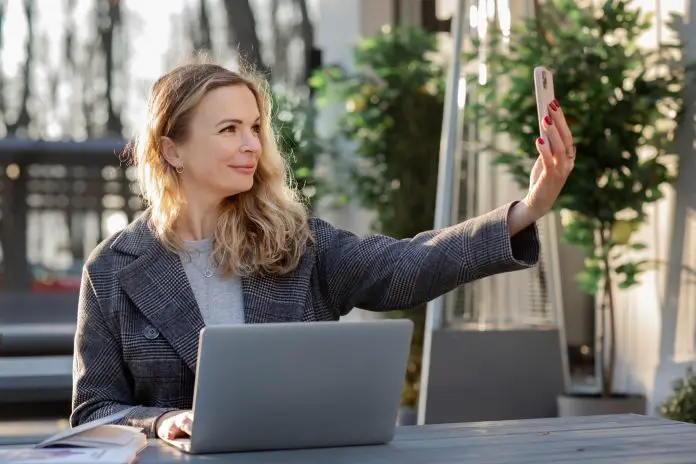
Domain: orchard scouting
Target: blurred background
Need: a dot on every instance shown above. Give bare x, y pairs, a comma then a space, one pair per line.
605, 323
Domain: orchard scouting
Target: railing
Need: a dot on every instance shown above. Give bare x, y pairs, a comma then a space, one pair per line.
57, 201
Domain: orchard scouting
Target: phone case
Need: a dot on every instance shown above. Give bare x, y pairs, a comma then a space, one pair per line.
543, 85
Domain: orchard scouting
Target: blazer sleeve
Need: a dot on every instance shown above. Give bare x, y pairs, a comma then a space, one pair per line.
380, 273
101, 384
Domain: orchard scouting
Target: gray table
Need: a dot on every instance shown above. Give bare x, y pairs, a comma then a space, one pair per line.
595, 439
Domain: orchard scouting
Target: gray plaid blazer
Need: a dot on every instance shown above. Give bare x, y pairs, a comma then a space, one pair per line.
138, 322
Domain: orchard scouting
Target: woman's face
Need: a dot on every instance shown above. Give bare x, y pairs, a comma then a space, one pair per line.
223, 147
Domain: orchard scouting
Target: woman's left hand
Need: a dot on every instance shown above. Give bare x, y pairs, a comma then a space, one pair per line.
550, 172
554, 164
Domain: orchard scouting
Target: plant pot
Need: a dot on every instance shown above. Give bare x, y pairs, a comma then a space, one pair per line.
595, 405
407, 416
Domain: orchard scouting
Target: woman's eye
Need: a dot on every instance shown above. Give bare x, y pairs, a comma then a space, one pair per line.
229, 129
256, 129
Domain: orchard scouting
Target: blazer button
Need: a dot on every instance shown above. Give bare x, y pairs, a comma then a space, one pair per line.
150, 332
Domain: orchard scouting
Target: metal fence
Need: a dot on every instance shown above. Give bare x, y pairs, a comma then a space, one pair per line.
57, 201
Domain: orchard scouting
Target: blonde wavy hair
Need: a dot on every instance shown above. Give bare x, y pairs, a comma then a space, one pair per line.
262, 231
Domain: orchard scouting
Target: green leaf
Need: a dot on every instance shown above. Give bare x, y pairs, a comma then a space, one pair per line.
680, 405
616, 107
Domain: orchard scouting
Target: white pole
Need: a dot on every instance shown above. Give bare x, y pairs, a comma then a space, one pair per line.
445, 181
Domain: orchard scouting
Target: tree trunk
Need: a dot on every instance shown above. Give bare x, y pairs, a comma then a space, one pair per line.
24, 118
3, 108
205, 42
109, 24
86, 89
198, 27
307, 32
280, 42
607, 356
242, 36
538, 19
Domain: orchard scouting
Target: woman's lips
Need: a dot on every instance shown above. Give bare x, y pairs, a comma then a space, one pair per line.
244, 168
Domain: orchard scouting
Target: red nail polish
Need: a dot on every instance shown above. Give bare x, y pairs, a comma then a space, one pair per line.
553, 106
540, 140
556, 103
547, 120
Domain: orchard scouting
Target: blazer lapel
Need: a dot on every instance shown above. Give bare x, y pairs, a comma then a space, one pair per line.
158, 286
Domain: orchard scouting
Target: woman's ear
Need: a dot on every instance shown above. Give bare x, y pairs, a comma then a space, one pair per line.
171, 154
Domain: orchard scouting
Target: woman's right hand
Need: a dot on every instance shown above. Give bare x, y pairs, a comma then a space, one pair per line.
175, 424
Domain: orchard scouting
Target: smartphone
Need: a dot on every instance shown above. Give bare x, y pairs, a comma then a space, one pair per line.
543, 85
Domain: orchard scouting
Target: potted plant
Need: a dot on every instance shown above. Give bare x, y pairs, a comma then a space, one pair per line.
394, 103
681, 404
622, 103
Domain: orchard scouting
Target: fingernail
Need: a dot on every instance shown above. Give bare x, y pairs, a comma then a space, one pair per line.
553, 107
547, 120
556, 103
540, 140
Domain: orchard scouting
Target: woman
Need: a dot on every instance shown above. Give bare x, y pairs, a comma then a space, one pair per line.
225, 240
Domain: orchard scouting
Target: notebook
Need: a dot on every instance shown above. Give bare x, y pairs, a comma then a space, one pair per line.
98, 442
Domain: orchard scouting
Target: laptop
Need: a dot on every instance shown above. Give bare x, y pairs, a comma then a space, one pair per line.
297, 385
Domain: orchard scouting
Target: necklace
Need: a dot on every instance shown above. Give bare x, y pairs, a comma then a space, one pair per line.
208, 270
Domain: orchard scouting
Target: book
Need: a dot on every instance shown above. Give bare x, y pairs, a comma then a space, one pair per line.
103, 436
68, 455
99, 433
98, 442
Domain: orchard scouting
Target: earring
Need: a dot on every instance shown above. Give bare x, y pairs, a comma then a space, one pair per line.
179, 169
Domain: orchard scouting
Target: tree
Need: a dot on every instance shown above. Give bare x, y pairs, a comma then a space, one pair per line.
199, 28
242, 34
113, 54
20, 126
623, 103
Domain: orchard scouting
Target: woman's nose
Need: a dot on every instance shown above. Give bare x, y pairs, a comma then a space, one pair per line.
251, 142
